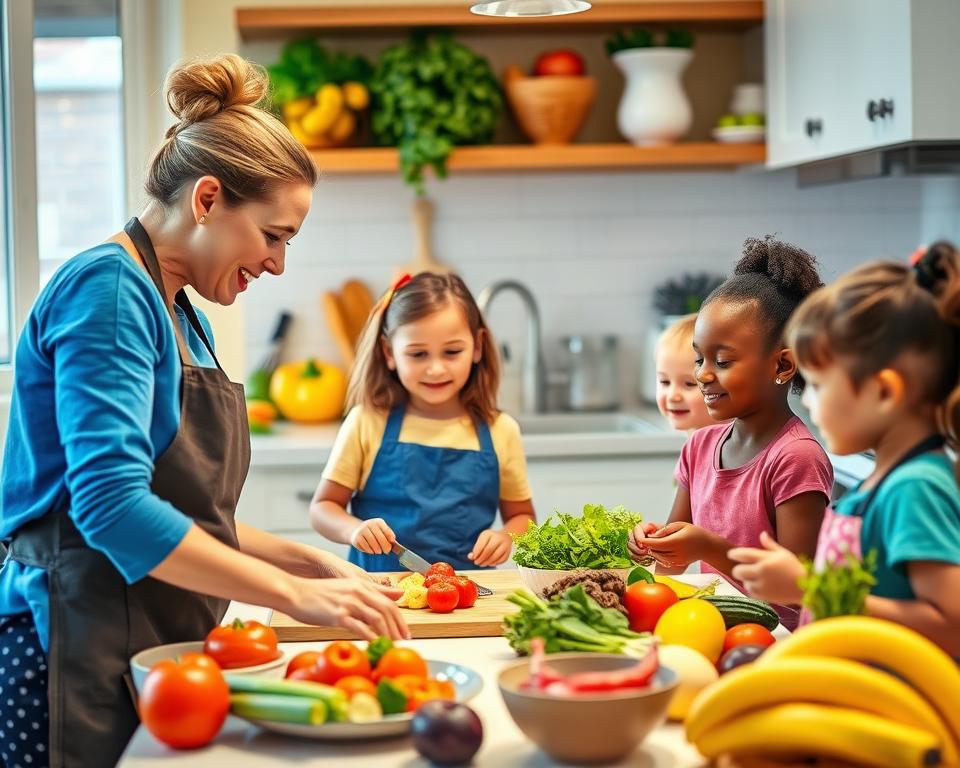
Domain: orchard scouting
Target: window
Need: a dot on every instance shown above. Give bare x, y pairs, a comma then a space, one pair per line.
5, 271
78, 79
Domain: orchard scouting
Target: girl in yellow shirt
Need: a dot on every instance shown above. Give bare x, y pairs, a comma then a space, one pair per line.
424, 458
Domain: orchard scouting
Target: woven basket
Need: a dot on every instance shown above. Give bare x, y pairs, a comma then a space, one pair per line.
551, 109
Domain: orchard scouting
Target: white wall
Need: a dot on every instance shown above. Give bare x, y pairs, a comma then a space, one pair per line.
590, 246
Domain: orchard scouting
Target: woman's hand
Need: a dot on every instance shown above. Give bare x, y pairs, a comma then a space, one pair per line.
676, 545
491, 548
772, 573
373, 536
329, 566
362, 607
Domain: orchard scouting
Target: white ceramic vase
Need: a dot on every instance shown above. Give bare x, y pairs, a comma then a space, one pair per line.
654, 108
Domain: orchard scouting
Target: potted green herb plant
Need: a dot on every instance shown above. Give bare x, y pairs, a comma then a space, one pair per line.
654, 108
431, 94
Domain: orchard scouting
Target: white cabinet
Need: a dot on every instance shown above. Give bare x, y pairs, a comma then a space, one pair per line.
642, 484
844, 76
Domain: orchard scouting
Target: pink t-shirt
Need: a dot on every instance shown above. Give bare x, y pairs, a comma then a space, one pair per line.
739, 503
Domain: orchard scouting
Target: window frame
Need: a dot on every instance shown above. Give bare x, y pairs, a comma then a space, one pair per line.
16, 67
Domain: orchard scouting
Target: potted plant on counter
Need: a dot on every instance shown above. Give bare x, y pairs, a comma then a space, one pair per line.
654, 108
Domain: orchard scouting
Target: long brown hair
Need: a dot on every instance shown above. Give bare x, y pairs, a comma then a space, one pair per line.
223, 131
871, 316
372, 383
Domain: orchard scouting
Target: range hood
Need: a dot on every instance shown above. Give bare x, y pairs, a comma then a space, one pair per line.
911, 159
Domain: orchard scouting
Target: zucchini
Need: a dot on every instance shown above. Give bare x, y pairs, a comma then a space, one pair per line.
737, 609
279, 708
334, 699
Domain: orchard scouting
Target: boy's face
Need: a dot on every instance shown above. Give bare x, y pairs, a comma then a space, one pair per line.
678, 393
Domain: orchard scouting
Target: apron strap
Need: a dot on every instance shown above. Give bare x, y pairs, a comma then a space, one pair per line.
483, 435
929, 443
394, 422
140, 240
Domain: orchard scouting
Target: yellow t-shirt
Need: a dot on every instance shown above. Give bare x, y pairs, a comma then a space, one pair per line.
361, 434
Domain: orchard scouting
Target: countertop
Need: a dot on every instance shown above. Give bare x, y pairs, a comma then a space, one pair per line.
309, 445
241, 745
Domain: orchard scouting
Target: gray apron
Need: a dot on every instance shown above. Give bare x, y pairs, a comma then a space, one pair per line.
97, 620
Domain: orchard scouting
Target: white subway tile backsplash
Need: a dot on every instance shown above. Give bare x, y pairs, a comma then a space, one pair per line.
591, 247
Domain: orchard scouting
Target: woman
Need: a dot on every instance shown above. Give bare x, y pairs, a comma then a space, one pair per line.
128, 446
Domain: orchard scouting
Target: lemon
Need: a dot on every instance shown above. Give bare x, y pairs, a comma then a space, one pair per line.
694, 623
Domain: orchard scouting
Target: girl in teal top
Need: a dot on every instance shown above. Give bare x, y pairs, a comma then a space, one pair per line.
880, 350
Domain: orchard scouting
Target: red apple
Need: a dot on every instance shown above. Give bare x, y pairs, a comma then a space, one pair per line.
562, 61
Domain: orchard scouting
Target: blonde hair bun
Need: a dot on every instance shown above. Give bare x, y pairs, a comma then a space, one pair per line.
201, 88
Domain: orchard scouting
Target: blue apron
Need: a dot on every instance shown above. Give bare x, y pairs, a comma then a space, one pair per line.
436, 500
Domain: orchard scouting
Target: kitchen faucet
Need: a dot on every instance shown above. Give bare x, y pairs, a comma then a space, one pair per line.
534, 370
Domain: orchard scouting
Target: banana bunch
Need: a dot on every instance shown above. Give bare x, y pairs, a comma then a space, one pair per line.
330, 118
849, 688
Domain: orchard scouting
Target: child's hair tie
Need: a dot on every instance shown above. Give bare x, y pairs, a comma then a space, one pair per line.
927, 267
401, 281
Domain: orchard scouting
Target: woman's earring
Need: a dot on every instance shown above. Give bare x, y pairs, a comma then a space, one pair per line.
779, 380
203, 219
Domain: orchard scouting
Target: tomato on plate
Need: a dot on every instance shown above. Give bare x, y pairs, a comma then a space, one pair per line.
302, 660
430, 690
747, 634
444, 569
345, 659
645, 604
184, 701
321, 671
400, 661
443, 597
467, 591
354, 684
241, 644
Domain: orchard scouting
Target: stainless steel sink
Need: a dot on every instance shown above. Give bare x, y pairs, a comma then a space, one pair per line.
584, 423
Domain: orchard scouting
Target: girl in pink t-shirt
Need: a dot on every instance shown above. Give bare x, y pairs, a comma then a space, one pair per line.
763, 471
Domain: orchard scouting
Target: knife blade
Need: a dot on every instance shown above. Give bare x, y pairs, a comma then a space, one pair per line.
413, 562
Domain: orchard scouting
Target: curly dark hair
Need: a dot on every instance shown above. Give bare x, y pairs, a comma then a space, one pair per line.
775, 276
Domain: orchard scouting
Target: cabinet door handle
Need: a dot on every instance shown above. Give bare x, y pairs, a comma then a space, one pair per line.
874, 110
886, 107
305, 496
812, 127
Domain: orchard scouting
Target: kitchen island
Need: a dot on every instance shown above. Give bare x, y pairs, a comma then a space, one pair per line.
241, 745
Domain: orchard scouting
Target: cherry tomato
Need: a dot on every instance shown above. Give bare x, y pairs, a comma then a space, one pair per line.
321, 671
467, 591
241, 644
184, 702
444, 569
354, 684
443, 597
301, 660
400, 661
437, 578
747, 634
345, 659
430, 690
645, 603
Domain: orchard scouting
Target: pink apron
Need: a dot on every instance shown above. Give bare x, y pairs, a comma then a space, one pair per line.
840, 534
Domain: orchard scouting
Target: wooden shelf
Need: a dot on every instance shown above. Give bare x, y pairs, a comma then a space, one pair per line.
278, 22
571, 157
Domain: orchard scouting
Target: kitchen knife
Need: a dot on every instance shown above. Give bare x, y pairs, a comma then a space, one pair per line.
413, 562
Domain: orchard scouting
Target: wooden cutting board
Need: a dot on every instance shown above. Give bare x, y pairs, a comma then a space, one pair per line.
484, 619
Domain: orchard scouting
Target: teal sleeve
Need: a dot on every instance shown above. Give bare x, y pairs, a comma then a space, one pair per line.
921, 519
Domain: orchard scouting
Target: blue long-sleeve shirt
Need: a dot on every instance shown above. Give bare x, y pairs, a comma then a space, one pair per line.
96, 401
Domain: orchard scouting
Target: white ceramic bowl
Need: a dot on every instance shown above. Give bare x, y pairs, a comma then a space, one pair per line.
740, 134
538, 579
143, 662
